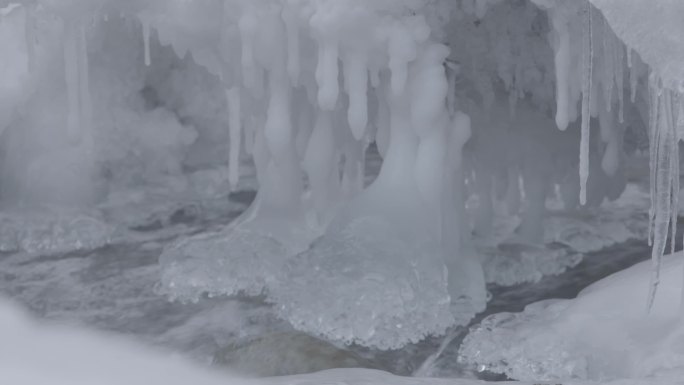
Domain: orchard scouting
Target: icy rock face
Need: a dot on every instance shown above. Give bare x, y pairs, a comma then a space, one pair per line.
601, 335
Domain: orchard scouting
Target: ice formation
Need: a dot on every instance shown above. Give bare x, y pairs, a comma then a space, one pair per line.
458, 98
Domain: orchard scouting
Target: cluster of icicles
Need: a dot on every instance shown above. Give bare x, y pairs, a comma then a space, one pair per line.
590, 73
311, 84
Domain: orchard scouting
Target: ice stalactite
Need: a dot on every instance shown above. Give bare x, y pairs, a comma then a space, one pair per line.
77, 81
664, 173
320, 163
356, 84
233, 96
30, 26
146, 39
610, 135
587, 69
252, 74
562, 61
633, 75
293, 45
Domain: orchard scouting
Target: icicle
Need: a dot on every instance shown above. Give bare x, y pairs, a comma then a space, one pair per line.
675, 192
620, 80
293, 65
146, 40
633, 80
608, 65
453, 72
233, 96
30, 36
251, 74
562, 63
356, 83
610, 136
77, 81
86, 118
654, 107
327, 73
72, 77
588, 57
320, 165
662, 181
402, 50
382, 137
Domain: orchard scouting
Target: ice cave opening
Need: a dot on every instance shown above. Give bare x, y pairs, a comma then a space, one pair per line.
368, 173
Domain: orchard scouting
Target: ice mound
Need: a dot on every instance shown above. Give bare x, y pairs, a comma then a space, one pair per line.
244, 258
52, 232
364, 283
603, 334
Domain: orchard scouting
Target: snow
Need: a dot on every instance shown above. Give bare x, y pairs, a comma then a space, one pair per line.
33, 353
604, 334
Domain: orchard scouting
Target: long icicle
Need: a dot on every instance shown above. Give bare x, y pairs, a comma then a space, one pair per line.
233, 96
653, 148
586, 106
71, 68
663, 183
86, 103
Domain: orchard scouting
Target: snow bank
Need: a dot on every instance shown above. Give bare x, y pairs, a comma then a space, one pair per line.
35, 354
603, 334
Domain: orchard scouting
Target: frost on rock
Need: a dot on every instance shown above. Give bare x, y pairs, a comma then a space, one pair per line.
601, 335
